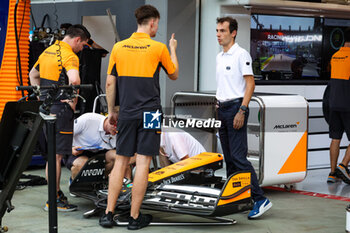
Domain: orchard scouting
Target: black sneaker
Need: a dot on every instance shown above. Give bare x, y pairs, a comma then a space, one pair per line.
142, 221
62, 197
343, 172
106, 220
333, 178
62, 206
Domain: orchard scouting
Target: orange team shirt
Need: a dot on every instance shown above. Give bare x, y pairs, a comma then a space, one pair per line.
50, 64
136, 63
54, 63
339, 99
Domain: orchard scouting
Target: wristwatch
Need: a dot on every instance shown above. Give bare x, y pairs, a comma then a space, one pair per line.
243, 108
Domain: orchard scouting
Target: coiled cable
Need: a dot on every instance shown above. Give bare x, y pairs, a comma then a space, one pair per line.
59, 57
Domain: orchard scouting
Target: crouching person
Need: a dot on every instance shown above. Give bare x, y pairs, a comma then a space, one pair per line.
93, 134
177, 145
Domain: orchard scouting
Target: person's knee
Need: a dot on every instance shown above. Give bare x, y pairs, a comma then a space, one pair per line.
78, 164
132, 159
140, 159
110, 156
335, 142
59, 157
76, 168
143, 162
121, 161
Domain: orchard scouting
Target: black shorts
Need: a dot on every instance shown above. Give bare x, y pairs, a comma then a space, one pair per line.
133, 138
64, 128
64, 131
69, 161
338, 123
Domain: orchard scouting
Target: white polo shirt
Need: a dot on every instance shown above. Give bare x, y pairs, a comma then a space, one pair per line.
178, 144
230, 69
89, 132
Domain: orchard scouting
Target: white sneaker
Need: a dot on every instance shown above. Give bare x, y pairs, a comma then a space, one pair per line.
260, 207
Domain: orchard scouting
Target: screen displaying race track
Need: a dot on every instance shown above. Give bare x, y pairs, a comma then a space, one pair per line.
285, 47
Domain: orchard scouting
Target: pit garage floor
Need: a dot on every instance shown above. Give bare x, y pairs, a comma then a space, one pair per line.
291, 212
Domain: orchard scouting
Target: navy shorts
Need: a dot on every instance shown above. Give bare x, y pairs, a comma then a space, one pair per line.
64, 128
338, 123
69, 161
133, 138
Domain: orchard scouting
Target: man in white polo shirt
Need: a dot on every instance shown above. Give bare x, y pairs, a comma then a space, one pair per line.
93, 134
176, 145
235, 87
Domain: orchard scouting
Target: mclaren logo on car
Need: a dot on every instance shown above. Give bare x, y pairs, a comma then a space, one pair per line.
286, 126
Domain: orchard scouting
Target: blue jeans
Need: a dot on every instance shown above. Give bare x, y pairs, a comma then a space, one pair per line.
235, 147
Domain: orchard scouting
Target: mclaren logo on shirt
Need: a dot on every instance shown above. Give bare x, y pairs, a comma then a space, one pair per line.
340, 58
136, 47
52, 53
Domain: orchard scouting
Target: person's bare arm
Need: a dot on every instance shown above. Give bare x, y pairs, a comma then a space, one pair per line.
250, 86
73, 79
185, 157
173, 46
111, 92
164, 161
238, 121
34, 77
75, 150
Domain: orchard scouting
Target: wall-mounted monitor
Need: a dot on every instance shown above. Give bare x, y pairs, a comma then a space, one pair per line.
286, 47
